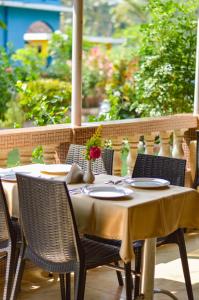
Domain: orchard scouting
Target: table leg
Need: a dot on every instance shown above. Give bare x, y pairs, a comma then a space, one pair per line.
148, 268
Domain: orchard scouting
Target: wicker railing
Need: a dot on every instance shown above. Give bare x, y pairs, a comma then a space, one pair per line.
169, 136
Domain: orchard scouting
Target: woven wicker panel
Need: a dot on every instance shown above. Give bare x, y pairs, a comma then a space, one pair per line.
46, 219
35, 136
62, 151
103, 164
167, 168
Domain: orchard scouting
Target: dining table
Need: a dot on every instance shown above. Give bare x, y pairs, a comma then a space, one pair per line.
141, 214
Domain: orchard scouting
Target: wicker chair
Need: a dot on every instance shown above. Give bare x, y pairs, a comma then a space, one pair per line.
173, 170
51, 239
9, 237
103, 164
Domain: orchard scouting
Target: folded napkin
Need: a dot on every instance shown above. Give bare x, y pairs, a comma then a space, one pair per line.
75, 175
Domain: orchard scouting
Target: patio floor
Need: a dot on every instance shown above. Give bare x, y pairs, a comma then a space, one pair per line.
102, 283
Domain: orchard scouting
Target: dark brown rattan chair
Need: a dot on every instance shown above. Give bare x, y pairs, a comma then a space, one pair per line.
51, 239
101, 165
9, 237
171, 169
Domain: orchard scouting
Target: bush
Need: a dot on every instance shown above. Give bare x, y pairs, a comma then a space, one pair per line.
45, 101
29, 63
7, 82
165, 80
60, 53
97, 70
120, 90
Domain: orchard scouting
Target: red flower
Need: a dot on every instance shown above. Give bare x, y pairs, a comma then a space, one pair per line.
95, 152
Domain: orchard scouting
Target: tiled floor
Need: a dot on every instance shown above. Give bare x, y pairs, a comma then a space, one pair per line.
102, 283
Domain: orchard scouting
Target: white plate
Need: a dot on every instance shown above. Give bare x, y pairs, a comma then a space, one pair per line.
56, 169
147, 183
107, 192
11, 176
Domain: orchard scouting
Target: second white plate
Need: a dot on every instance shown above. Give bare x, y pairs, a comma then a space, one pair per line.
147, 183
107, 192
56, 169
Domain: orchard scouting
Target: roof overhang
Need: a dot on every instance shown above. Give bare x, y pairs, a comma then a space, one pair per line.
37, 6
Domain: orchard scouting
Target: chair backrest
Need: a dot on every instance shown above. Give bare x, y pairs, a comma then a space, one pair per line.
6, 228
103, 164
47, 219
167, 168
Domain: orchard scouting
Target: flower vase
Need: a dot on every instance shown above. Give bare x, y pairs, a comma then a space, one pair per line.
88, 175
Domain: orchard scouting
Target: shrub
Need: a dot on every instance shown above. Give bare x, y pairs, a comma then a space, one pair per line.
60, 52
29, 63
7, 82
120, 90
97, 70
165, 80
45, 101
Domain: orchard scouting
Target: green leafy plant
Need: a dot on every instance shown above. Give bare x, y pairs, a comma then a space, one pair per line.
7, 82
45, 101
165, 80
37, 154
60, 52
120, 90
30, 63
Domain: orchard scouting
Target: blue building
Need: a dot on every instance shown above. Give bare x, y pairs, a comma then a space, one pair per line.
19, 17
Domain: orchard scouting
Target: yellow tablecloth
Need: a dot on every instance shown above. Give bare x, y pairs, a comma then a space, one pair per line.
150, 213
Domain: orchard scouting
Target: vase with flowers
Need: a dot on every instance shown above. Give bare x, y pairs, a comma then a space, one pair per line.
93, 151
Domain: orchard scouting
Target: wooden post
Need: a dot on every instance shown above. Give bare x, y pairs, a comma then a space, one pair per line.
164, 143
131, 158
76, 111
149, 143
117, 163
196, 94
178, 136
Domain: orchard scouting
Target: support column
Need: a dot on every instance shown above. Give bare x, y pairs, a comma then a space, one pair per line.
196, 94
76, 111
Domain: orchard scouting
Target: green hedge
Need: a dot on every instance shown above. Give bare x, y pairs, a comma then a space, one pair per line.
45, 101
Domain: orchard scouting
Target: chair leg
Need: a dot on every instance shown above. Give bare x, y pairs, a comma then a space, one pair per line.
80, 283
68, 286
138, 262
62, 286
10, 271
18, 275
119, 275
184, 261
128, 280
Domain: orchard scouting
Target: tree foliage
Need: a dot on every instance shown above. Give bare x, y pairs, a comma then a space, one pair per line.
165, 80
7, 82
